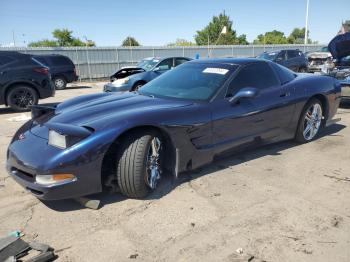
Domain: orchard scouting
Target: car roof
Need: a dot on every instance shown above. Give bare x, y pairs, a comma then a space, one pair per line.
229, 61
13, 54
162, 58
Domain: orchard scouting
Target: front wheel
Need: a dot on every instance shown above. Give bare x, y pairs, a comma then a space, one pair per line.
139, 164
20, 98
310, 121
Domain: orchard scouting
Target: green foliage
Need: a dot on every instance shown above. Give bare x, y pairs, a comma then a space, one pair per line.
213, 31
63, 37
181, 42
130, 41
242, 40
44, 42
297, 36
272, 37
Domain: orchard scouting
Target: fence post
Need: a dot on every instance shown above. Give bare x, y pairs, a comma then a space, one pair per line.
118, 63
183, 51
153, 52
88, 62
253, 51
77, 62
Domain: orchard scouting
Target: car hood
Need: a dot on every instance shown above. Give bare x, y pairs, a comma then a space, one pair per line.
319, 55
126, 71
99, 110
339, 46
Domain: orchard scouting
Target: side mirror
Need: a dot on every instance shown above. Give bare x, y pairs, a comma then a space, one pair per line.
247, 92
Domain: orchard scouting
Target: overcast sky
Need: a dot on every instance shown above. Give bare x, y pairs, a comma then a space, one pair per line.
158, 22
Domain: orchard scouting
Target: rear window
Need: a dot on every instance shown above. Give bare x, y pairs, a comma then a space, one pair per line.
285, 75
54, 60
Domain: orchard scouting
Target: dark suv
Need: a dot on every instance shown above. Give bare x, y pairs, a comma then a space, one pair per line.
23, 81
292, 59
61, 68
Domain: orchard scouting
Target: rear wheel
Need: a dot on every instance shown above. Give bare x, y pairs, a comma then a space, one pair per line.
139, 165
59, 82
310, 121
20, 98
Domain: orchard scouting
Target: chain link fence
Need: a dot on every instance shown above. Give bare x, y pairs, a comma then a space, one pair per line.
100, 62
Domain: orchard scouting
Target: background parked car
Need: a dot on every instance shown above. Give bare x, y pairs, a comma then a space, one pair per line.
317, 60
132, 78
61, 68
23, 81
292, 59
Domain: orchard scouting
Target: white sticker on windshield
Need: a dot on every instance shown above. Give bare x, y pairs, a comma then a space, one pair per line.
215, 70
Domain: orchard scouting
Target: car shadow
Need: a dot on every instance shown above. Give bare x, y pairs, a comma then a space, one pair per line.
169, 183
9, 110
74, 87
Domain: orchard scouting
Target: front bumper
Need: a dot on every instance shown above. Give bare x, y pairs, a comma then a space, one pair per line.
31, 156
109, 87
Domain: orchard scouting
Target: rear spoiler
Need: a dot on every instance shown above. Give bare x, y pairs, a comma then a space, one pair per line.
39, 110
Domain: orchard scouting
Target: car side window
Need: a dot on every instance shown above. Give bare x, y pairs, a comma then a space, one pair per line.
285, 75
258, 75
179, 61
5, 60
281, 56
166, 64
292, 54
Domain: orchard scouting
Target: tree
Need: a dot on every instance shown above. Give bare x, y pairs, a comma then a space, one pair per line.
63, 37
181, 42
213, 32
297, 36
272, 37
130, 41
242, 40
44, 42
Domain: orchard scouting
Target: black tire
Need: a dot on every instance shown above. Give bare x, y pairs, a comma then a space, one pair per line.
299, 135
137, 86
59, 83
132, 169
20, 98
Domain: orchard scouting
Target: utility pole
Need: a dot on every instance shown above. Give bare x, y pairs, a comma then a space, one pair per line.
13, 38
306, 22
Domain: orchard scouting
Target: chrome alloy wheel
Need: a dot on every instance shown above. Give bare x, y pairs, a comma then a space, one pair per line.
153, 168
312, 121
59, 83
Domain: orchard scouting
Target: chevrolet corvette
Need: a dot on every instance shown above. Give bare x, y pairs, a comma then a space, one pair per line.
178, 122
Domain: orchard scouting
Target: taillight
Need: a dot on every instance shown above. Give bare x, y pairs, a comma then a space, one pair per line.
42, 70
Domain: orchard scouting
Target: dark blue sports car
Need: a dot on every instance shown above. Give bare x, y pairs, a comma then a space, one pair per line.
177, 122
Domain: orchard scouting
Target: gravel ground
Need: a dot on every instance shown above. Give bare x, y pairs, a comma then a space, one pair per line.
283, 202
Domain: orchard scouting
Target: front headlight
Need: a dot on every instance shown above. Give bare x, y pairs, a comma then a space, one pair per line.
121, 81
54, 179
57, 140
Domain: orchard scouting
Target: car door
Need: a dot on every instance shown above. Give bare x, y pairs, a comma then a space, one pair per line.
251, 120
281, 59
292, 60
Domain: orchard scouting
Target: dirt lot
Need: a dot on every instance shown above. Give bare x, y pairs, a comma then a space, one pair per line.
284, 202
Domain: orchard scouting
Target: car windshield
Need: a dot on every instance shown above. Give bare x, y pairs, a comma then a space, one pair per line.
190, 81
324, 49
147, 64
268, 56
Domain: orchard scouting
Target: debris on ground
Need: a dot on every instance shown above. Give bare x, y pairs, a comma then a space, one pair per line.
88, 203
239, 250
13, 248
134, 256
336, 220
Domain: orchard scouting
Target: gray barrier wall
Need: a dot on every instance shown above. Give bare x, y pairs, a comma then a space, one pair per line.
99, 62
